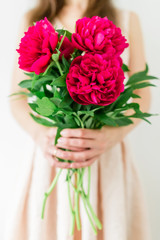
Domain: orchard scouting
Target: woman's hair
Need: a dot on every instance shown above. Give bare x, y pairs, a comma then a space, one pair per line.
51, 8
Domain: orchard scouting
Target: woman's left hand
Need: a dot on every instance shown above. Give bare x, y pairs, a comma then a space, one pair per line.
94, 142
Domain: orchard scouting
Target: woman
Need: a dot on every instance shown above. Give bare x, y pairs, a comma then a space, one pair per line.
115, 188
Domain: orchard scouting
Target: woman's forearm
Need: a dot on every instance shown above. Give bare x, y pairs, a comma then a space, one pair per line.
144, 103
20, 110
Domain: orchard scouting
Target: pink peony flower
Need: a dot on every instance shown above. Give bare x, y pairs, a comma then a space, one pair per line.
37, 47
99, 35
67, 48
95, 80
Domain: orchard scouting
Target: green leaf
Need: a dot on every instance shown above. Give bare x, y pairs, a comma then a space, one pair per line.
62, 32
56, 101
89, 113
76, 107
140, 114
143, 85
70, 120
44, 79
33, 106
125, 68
122, 99
42, 121
66, 101
60, 81
140, 78
77, 122
25, 84
45, 107
21, 93
65, 63
38, 94
135, 95
102, 117
133, 105
31, 74
34, 79
88, 122
123, 121
139, 74
57, 94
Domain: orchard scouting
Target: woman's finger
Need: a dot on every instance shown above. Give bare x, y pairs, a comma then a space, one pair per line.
75, 149
74, 156
55, 162
75, 164
77, 142
59, 164
84, 164
65, 165
81, 133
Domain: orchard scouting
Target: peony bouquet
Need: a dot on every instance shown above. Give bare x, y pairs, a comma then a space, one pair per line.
77, 81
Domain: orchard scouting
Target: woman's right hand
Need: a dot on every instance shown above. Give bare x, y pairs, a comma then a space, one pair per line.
45, 140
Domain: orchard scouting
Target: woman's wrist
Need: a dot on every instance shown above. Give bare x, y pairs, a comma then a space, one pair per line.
39, 133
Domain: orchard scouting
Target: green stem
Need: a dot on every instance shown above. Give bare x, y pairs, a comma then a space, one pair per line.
77, 202
81, 178
72, 225
89, 181
59, 67
71, 208
46, 195
82, 125
85, 118
89, 217
96, 220
62, 41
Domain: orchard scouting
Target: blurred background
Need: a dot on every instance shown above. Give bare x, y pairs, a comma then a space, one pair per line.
145, 138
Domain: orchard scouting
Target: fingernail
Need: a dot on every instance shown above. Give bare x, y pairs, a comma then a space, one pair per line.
60, 140
64, 132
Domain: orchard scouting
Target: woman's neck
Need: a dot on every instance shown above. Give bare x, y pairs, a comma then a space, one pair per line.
82, 4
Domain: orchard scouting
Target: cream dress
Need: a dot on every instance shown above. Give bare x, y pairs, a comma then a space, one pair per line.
116, 196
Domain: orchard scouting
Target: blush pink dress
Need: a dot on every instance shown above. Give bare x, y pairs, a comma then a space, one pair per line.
116, 195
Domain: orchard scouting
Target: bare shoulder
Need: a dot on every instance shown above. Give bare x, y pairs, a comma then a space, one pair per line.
132, 17
135, 38
23, 25
137, 46
135, 25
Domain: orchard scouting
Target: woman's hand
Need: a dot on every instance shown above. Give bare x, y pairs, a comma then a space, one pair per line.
86, 145
45, 140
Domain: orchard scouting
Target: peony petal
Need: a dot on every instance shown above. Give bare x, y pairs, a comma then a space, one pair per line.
99, 38
41, 64
53, 40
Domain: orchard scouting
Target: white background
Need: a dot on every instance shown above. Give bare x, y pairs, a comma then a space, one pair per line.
145, 138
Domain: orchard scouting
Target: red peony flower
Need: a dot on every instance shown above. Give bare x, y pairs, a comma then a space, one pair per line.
37, 47
67, 48
99, 35
95, 80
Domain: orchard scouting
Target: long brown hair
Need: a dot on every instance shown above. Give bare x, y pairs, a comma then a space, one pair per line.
51, 8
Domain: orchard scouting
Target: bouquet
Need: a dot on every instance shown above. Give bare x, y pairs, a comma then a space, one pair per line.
77, 81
